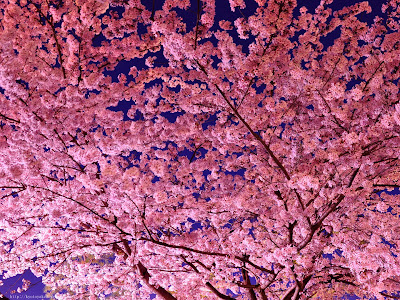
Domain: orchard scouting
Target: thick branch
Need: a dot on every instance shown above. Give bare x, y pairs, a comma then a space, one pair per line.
160, 291
153, 9
263, 295
387, 185
318, 224
216, 292
246, 279
190, 264
389, 296
353, 176
289, 293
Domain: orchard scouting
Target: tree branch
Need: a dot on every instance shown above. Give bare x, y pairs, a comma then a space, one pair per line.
197, 23
160, 291
50, 22
254, 134
243, 259
8, 118
389, 296
216, 292
246, 279
153, 10
318, 224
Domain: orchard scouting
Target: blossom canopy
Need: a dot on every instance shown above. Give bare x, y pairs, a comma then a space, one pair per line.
163, 148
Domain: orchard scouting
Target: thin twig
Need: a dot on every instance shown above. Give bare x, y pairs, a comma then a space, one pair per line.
197, 23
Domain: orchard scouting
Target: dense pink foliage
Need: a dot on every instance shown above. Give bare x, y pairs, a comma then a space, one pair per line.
301, 191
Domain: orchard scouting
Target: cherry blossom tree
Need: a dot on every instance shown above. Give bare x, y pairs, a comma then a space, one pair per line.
254, 161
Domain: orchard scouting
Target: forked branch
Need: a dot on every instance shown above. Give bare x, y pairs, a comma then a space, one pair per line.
253, 133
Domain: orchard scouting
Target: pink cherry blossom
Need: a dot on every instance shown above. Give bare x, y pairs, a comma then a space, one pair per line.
263, 168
